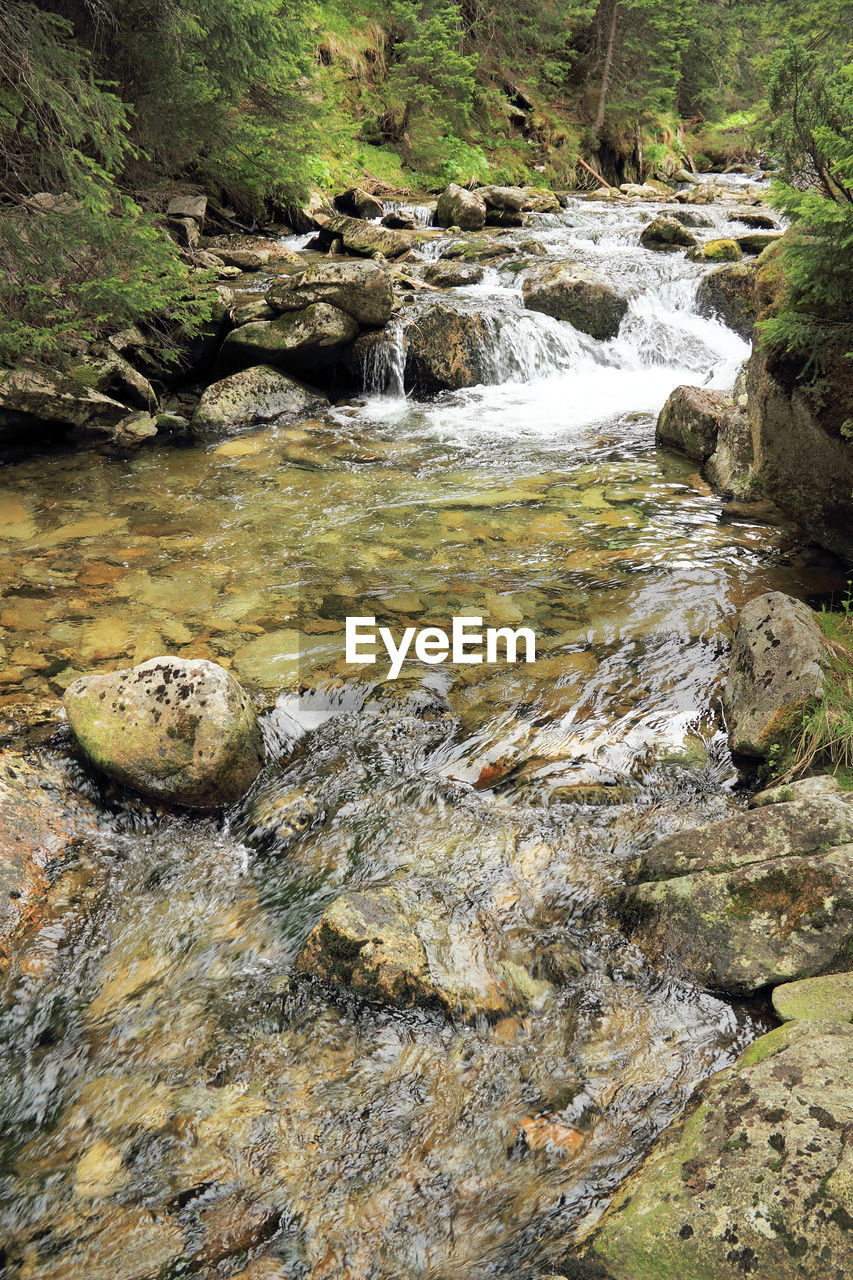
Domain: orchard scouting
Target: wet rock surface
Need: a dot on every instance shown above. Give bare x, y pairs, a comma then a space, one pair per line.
458, 207
361, 289
445, 350
569, 292
755, 900
729, 292
313, 337
667, 233
775, 668
756, 1180
175, 729
255, 395
690, 421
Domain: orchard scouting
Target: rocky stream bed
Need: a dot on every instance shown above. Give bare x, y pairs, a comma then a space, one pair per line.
419, 1001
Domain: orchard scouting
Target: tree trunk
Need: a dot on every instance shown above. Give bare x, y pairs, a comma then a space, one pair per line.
606, 69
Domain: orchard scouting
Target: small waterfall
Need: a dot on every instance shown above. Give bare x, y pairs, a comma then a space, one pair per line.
422, 214
384, 363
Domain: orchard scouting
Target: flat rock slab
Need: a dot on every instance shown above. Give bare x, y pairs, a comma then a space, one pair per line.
175, 729
803, 789
756, 926
829, 997
758, 1181
775, 668
783, 830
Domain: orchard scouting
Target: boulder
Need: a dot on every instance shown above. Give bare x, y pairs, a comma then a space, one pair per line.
775, 668
512, 199
364, 239
756, 221
41, 822
787, 829
758, 241
803, 459
690, 420
111, 374
758, 925
816, 788
185, 231
829, 997
445, 350
716, 251
730, 469
573, 293
452, 275
175, 729
30, 398
134, 429
537, 200
504, 218
312, 338
312, 214
256, 395
690, 218
359, 204
361, 289
244, 259
755, 1181
192, 206
460, 208
400, 220
666, 233
418, 943
729, 295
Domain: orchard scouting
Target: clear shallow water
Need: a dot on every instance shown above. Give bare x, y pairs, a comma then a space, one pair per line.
174, 1097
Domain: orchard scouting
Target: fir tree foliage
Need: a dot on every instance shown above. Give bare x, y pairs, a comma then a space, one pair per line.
811, 133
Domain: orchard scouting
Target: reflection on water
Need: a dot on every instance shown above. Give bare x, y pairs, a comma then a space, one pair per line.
175, 1098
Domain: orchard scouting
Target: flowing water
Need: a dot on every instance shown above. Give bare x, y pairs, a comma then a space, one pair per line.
176, 1098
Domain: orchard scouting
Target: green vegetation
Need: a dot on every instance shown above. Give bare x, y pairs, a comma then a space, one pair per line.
819, 737
109, 104
811, 132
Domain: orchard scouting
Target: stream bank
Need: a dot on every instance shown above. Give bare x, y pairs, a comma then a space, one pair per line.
182, 1090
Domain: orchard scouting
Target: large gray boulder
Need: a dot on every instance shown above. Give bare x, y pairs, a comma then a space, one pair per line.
728, 294
255, 395
312, 338
731, 467
666, 233
361, 289
458, 207
570, 292
758, 899
175, 729
31, 397
803, 456
359, 204
690, 421
755, 1181
363, 238
511, 199
776, 666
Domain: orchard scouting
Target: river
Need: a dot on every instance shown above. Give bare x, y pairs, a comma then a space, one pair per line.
174, 1096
